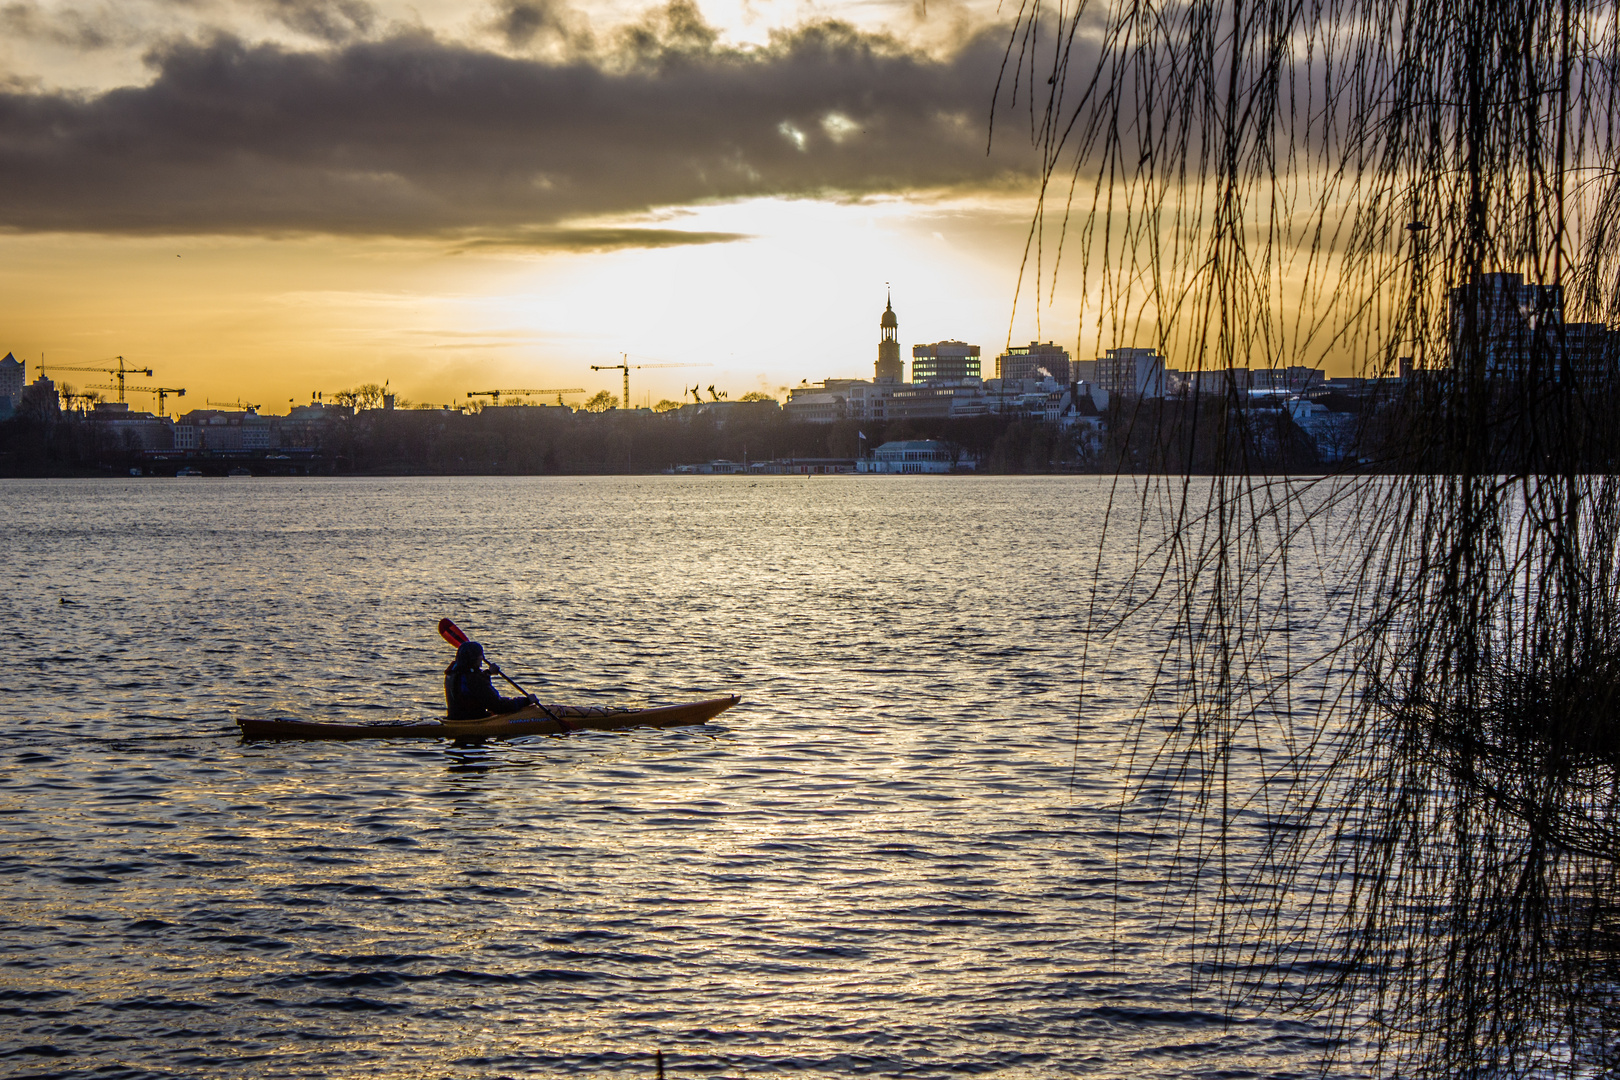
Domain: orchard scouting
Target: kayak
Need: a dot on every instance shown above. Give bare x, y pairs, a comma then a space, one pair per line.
530, 720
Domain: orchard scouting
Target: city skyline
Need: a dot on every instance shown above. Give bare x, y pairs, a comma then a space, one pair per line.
263, 200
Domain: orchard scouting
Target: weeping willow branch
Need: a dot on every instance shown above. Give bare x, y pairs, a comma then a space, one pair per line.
1379, 745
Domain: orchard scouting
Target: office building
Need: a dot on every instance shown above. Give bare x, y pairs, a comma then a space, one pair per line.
1131, 372
1501, 326
944, 361
1030, 361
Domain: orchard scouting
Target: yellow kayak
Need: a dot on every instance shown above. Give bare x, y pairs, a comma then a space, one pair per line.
531, 720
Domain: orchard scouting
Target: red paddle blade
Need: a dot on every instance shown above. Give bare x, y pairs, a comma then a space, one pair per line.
452, 633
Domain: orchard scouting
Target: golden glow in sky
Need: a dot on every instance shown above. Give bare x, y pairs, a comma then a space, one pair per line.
267, 320
266, 198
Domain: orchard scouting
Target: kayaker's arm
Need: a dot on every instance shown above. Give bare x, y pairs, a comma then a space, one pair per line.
494, 669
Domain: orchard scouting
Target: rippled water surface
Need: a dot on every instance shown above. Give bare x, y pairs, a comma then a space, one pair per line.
893, 858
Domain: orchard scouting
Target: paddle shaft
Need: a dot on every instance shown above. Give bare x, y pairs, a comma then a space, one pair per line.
511, 680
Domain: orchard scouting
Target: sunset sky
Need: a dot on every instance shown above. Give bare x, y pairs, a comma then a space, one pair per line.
265, 198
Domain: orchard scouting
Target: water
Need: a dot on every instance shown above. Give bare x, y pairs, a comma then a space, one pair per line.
895, 857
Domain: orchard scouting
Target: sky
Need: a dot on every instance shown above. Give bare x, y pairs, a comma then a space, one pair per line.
265, 199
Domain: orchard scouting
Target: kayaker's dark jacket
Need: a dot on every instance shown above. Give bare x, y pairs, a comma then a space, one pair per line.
468, 691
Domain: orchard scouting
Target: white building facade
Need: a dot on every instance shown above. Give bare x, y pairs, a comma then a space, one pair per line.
912, 456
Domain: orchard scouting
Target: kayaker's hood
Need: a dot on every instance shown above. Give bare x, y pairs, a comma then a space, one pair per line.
470, 654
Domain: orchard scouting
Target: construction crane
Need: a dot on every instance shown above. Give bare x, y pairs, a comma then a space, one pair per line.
162, 392
495, 395
625, 365
238, 404
118, 372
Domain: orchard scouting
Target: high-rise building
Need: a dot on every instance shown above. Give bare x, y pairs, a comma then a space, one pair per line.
944, 361
13, 378
1504, 327
1028, 361
1501, 326
1132, 372
890, 368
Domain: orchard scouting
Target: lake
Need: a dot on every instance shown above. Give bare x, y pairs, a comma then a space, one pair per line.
895, 857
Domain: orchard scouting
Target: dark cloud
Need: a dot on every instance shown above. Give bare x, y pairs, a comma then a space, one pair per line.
411, 135
522, 23
677, 28
329, 20
579, 238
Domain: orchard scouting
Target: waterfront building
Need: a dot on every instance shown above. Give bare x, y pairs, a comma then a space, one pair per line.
1132, 372
890, 369
944, 362
717, 467
218, 430
912, 456
790, 466
1030, 361
13, 377
121, 428
805, 466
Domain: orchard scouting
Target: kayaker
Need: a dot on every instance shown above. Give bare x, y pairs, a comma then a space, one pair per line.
469, 694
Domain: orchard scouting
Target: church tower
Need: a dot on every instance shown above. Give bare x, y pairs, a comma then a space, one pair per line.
889, 367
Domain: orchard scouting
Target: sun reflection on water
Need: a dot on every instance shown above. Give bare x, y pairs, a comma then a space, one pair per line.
884, 861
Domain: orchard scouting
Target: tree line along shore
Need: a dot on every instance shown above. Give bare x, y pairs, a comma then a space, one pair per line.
1197, 434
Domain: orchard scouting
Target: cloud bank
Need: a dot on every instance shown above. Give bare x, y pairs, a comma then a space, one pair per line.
406, 133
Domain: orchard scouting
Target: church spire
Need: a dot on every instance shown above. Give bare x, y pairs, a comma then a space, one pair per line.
889, 366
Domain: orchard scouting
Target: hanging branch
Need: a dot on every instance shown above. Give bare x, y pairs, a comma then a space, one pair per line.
1380, 742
